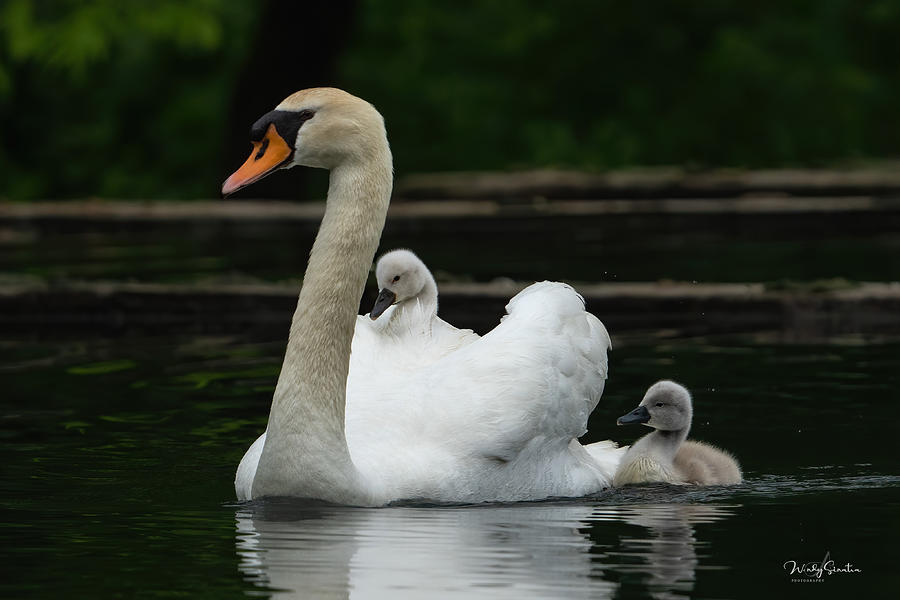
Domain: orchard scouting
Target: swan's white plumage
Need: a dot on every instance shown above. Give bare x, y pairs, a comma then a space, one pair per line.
398, 344
495, 419
607, 454
451, 417
246, 471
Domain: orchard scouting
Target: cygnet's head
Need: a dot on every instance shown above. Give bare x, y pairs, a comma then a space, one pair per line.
402, 276
318, 127
666, 406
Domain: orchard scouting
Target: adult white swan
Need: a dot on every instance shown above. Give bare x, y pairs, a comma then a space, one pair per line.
493, 421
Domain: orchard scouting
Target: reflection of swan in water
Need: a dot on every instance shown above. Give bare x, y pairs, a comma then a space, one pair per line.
670, 551
300, 550
519, 551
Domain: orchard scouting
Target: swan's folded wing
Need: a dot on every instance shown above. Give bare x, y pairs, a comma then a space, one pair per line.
385, 352
365, 349
535, 378
385, 356
445, 338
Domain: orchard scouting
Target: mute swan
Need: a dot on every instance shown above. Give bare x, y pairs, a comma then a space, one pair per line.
407, 335
664, 455
495, 420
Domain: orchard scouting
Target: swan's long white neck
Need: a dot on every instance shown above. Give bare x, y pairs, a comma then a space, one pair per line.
306, 450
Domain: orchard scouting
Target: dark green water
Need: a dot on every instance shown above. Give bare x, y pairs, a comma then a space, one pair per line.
687, 247
119, 458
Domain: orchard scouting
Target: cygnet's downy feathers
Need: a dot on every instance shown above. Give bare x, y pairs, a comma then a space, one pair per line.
665, 455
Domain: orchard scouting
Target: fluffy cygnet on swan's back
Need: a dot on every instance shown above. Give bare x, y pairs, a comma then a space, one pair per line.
665, 455
402, 333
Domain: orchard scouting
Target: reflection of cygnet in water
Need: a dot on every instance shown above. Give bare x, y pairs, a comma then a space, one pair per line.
664, 455
670, 554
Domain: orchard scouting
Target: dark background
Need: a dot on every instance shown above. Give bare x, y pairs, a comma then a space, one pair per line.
154, 100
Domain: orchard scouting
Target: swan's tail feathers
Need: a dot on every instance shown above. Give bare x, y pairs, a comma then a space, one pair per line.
559, 303
599, 345
600, 331
604, 445
607, 454
246, 471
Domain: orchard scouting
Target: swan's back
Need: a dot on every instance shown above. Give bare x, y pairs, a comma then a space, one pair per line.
494, 420
394, 347
543, 368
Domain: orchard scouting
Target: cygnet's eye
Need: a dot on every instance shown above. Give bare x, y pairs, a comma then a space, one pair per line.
660, 403
395, 279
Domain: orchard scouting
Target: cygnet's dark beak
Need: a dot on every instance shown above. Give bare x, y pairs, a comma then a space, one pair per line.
385, 299
638, 415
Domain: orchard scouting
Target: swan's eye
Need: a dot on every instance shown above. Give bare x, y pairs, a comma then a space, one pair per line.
660, 403
305, 115
262, 148
395, 279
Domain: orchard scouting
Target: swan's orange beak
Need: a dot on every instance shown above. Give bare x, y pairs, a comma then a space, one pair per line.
267, 155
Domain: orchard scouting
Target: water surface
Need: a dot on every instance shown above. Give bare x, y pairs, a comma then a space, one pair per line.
119, 457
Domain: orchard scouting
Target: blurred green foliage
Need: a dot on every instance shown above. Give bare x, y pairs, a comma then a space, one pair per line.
116, 98
470, 85
131, 99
